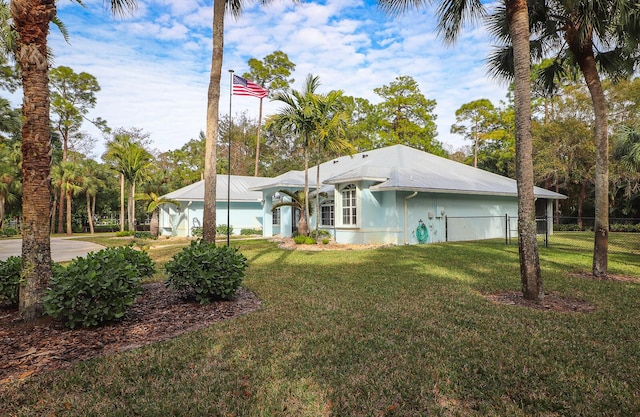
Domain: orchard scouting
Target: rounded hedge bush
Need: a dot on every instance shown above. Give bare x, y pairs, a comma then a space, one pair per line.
95, 289
206, 271
10, 271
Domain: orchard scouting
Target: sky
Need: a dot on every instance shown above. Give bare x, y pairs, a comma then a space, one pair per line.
153, 66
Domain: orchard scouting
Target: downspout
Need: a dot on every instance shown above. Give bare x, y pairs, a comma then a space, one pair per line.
406, 215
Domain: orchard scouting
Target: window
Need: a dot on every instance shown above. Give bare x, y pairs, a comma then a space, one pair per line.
327, 215
349, 205
275, 217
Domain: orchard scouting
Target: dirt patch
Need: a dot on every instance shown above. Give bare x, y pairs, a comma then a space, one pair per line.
289, 244
159, 314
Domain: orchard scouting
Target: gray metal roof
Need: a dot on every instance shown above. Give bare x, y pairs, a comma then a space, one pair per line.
240, 189
400, 167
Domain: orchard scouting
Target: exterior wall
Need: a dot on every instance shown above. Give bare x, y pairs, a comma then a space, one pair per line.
179, 222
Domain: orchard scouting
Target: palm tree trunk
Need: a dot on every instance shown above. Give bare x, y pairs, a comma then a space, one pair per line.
587, 64
305, 230
61, 211
213, 99
317, 202
122, 203
31, 19
2, 203
132, 207
154, 227
89, 213
69, 229
530, 274
53, 212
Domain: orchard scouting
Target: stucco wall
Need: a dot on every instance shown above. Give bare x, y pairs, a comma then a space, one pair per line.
179, 222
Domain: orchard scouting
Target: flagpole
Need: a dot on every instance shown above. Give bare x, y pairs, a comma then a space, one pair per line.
229, 161
255, 174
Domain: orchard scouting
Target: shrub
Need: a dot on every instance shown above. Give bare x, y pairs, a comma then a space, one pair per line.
206, 271
95, 289
223, 229
9, 231
326, 241
142, 235
300, 239
196, 231
249, 232
317, 234
139, 259
10, 271
566, 228
125, 233
310, 241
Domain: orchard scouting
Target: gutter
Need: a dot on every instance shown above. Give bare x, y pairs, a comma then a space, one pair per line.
406, 214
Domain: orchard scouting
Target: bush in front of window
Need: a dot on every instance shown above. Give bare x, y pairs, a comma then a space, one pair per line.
299, 240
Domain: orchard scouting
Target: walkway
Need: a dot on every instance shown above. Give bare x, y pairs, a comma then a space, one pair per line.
62, 249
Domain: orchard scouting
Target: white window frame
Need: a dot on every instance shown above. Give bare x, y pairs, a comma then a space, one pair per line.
331, 206
276, 217
349, 211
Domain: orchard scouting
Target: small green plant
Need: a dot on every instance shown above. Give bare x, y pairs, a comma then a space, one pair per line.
10, 280
300, 239
95, 289
196, 231
125, 233
206, 271
310, 241
317, 234
9, 231
142, 235
326, 241
223, 229
249, 232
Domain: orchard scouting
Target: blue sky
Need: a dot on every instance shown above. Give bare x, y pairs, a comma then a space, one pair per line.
153, 67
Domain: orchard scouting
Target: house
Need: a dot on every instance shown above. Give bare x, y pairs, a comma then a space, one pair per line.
400, 195
245, 206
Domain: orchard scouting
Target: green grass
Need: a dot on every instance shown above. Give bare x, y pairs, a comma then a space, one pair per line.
402, 331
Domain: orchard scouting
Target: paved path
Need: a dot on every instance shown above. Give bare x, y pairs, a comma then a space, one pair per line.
62, 249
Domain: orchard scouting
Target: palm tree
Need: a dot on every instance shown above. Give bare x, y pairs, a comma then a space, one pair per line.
330, 134
31, 20
627, 148
453, 14
298, 200
91, 183
154, 203
300, 117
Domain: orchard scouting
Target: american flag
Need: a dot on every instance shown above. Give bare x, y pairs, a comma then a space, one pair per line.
242, 87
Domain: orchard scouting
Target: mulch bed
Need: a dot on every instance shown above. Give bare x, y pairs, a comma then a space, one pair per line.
159, 314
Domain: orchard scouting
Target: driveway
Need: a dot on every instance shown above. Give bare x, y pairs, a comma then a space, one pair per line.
62, 249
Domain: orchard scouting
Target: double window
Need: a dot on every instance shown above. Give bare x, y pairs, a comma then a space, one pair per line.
327, 213
349, 212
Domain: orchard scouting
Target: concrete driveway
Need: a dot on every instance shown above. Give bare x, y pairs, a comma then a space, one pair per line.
62, 249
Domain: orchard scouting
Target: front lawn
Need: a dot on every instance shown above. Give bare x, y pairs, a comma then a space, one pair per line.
401, 331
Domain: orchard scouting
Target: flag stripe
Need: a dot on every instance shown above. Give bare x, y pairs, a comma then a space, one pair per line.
242, 87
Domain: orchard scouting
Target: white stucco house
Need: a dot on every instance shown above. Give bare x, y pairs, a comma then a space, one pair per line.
394, 195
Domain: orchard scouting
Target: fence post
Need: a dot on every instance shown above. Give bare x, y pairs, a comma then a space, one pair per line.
506, 229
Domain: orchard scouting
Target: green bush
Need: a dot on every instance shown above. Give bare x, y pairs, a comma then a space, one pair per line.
223, 229
310, 241
125, 233
300, 239
196, 231
95, 289
249, 232
140, 260
206, 271
10, 271
9, 231
326, 241
566, 228
618, 227
317, 234
142, 235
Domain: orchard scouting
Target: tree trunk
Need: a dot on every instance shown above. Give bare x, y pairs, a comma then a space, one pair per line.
31, 19
61, 211
53, 213
581, 197
213, 103
89, 213
317, 202
122, 219
131, 216
584, 55
69, 229
530, 275
154, 227
306, 188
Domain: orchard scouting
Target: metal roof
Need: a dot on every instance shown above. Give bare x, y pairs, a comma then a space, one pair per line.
240, 189
400, 167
